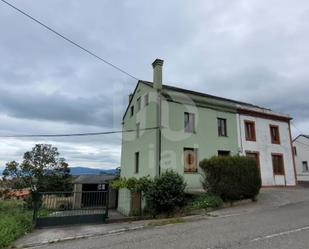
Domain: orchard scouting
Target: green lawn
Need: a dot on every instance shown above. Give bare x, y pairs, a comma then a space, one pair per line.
14, 221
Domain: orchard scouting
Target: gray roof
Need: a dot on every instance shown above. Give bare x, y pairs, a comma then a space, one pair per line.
301, 135
94, 179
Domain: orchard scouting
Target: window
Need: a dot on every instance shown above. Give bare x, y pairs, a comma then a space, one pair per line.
190, 160
305, 166
137, 130
222, 127
189, 122
132, 110
138, 104
250, 130
295, 150
274, 133
224, 153
255, 156
146, 99
136, 162
278, 166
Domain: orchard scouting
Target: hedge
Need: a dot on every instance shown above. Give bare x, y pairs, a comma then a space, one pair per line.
231, 178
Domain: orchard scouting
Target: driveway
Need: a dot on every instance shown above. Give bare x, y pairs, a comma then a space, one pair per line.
278, 220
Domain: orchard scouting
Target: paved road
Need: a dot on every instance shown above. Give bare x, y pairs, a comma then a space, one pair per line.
280, 220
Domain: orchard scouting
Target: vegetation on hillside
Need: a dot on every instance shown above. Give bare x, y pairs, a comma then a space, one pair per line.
15, 221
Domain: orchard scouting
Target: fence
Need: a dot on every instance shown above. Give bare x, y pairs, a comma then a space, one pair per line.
64, 208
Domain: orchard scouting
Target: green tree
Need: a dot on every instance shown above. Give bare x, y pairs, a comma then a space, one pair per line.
43, 168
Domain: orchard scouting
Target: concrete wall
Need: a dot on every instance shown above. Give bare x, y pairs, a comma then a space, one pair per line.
265, 148
124, 201
302, 148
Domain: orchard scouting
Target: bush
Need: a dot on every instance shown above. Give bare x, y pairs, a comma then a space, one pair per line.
166, 193
232, 178
207, 200
15, 221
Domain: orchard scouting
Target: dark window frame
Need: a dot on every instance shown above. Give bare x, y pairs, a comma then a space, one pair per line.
305, 165
274, 140
222, 132
146, 99
139, 103
280, 172
257, 154
191, 118
250, 134
224, 153
136, 162
132, 111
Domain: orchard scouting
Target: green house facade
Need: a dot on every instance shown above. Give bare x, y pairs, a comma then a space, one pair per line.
173, 128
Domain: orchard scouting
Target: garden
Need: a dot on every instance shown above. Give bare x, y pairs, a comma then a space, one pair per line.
226, 180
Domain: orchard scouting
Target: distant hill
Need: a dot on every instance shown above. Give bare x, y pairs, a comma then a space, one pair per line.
85, 171
91, 171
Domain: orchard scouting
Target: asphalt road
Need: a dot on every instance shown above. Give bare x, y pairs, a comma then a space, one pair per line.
284, 227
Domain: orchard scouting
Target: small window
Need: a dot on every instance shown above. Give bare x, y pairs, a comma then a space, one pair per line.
305, 166
295, 150
222, 131
278, 165
255, 156
132, 110
146, 99
190, 160
137, 130
136, 162
224, 153
189, 122
274, 133
138, 104
250, 131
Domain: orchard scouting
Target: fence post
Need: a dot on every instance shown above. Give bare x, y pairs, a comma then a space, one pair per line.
107, 204
35, 203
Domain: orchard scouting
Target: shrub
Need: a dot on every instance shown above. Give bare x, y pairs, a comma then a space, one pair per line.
166, 193
207, 200
231, 178
15, 221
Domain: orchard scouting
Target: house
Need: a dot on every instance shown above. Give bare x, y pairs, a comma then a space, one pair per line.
175, 128
301, 152
88, 188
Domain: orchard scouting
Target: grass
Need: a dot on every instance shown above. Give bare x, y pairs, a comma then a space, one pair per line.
205, 201
15, 221
167, 222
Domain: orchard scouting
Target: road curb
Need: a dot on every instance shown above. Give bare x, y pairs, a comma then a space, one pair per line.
85, 236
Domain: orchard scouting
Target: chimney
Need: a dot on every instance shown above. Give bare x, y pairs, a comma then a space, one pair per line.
157, 73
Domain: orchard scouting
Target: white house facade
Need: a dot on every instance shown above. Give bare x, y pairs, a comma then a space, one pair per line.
265, 136
301, 152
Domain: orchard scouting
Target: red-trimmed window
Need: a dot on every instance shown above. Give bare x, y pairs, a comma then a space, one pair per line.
250, 130
274, 134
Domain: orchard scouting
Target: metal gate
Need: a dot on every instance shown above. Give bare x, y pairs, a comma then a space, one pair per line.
68, 208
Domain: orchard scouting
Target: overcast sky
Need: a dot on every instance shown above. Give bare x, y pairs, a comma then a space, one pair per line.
250, 50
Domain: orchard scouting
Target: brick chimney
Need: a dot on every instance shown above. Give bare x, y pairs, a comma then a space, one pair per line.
157, 73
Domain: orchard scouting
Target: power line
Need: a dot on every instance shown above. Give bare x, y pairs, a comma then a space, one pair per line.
68, 40
297, 128
74, 134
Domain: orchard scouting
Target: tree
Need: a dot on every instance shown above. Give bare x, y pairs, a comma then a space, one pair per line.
41, 168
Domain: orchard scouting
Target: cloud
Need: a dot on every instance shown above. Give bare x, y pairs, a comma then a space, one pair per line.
255, 51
